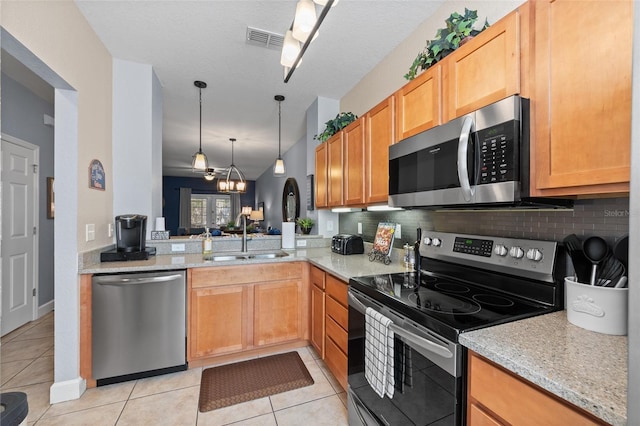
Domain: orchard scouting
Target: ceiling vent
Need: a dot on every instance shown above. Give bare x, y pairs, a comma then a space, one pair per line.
264, 38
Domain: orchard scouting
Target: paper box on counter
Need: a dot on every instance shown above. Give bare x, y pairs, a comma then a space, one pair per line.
596, 308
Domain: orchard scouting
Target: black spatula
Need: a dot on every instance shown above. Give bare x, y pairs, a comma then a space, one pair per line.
581, 264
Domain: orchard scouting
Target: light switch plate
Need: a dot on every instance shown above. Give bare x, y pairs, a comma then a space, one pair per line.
90, 232
359, 227
398, 230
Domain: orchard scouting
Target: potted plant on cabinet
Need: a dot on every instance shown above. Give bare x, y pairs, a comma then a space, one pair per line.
305, 224
459, 29
333, 126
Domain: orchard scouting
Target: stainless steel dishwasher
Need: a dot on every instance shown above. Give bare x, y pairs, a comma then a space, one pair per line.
138, 325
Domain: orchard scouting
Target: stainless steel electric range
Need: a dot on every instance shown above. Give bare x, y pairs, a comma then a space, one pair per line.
465, 282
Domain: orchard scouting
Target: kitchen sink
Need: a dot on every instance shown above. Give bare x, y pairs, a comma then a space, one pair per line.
247, 256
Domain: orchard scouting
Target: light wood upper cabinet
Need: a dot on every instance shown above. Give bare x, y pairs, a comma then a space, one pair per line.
484, 70
321, 176
379, 135
334, 170
353, 166
582, 87
418, 104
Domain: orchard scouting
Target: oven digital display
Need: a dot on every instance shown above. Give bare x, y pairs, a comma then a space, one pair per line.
473, 246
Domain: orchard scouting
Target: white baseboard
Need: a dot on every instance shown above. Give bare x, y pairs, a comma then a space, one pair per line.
45, 309
67, 391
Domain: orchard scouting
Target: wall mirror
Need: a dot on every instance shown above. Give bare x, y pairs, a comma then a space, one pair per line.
290, 201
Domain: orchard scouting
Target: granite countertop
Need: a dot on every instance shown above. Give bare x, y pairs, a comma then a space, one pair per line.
586, 368
341, 266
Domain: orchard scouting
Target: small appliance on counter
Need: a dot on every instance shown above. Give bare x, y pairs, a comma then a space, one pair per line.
347, 244
131, 233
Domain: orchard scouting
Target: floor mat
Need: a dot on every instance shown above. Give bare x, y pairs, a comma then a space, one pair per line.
247, 380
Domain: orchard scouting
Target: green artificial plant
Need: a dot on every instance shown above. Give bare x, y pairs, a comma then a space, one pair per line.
341, 121
448, 39
305, 223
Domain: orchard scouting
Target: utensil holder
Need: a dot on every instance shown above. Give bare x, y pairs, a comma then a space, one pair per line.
600, 309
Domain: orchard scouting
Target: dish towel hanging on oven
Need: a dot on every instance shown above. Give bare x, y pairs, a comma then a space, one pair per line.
378, 353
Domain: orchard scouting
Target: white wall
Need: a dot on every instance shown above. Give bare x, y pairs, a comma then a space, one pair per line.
54, 40
137, 141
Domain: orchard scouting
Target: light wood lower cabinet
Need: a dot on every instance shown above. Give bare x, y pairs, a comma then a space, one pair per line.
499, 397
329, 321
237, 308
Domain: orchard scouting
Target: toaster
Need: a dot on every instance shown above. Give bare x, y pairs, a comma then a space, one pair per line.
347, 244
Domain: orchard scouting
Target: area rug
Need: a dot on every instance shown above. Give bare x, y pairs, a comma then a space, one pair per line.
247, 380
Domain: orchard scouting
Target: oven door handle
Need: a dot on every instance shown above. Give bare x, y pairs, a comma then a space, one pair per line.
468, 126
413, 338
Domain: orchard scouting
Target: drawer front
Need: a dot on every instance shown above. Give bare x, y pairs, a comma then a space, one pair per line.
337, 334
337, 289
336, 360
339, 313
245, 274
317, 277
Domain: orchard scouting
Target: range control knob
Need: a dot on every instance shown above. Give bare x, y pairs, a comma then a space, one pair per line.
427, 241
534, 254
436, 242
516, 252
500, 250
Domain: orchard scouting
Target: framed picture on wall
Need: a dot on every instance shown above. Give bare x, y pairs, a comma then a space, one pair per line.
96, 175
310, 192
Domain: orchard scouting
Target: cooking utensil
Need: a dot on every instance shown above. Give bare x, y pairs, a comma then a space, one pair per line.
610, 271
595, 249
581, 265
622, 282
621, 251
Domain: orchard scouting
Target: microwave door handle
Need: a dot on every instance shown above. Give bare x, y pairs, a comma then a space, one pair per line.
468, 126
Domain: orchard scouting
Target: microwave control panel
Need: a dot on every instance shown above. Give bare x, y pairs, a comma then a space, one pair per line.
499, 153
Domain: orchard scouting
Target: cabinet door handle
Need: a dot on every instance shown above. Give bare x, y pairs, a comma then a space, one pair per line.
468, 126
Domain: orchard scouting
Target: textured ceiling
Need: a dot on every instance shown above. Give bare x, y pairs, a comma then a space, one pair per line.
205, 40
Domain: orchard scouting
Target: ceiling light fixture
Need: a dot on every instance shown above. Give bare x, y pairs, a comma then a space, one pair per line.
298, 31
199, 161
228, 184
279, 168
210, 174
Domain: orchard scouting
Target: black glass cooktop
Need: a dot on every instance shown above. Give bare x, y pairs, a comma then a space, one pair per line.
445, 306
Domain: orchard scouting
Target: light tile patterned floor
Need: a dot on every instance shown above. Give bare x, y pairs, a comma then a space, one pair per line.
26, 365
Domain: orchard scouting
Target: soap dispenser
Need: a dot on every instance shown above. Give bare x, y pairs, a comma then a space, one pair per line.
207, 245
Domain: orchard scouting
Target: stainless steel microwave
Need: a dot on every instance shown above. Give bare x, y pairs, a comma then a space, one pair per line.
480, 159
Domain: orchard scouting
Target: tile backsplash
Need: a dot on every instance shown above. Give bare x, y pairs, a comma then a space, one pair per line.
607, 217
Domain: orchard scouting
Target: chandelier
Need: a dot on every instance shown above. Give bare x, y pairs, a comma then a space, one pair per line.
228, 184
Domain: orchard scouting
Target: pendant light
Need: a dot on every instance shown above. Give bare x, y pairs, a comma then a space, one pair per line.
199, 161
279, 168
228, 184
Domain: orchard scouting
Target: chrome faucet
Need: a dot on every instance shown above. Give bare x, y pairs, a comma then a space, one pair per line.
244, 233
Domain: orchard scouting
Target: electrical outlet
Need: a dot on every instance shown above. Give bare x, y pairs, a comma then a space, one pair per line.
398, 230
301, 243
177, 247
90, 232
110, 230
359, 227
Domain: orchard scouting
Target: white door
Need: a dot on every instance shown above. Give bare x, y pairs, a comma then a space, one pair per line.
19, 210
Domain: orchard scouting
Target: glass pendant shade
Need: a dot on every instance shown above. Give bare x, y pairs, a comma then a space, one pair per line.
290, 50
279, 168
304, 20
